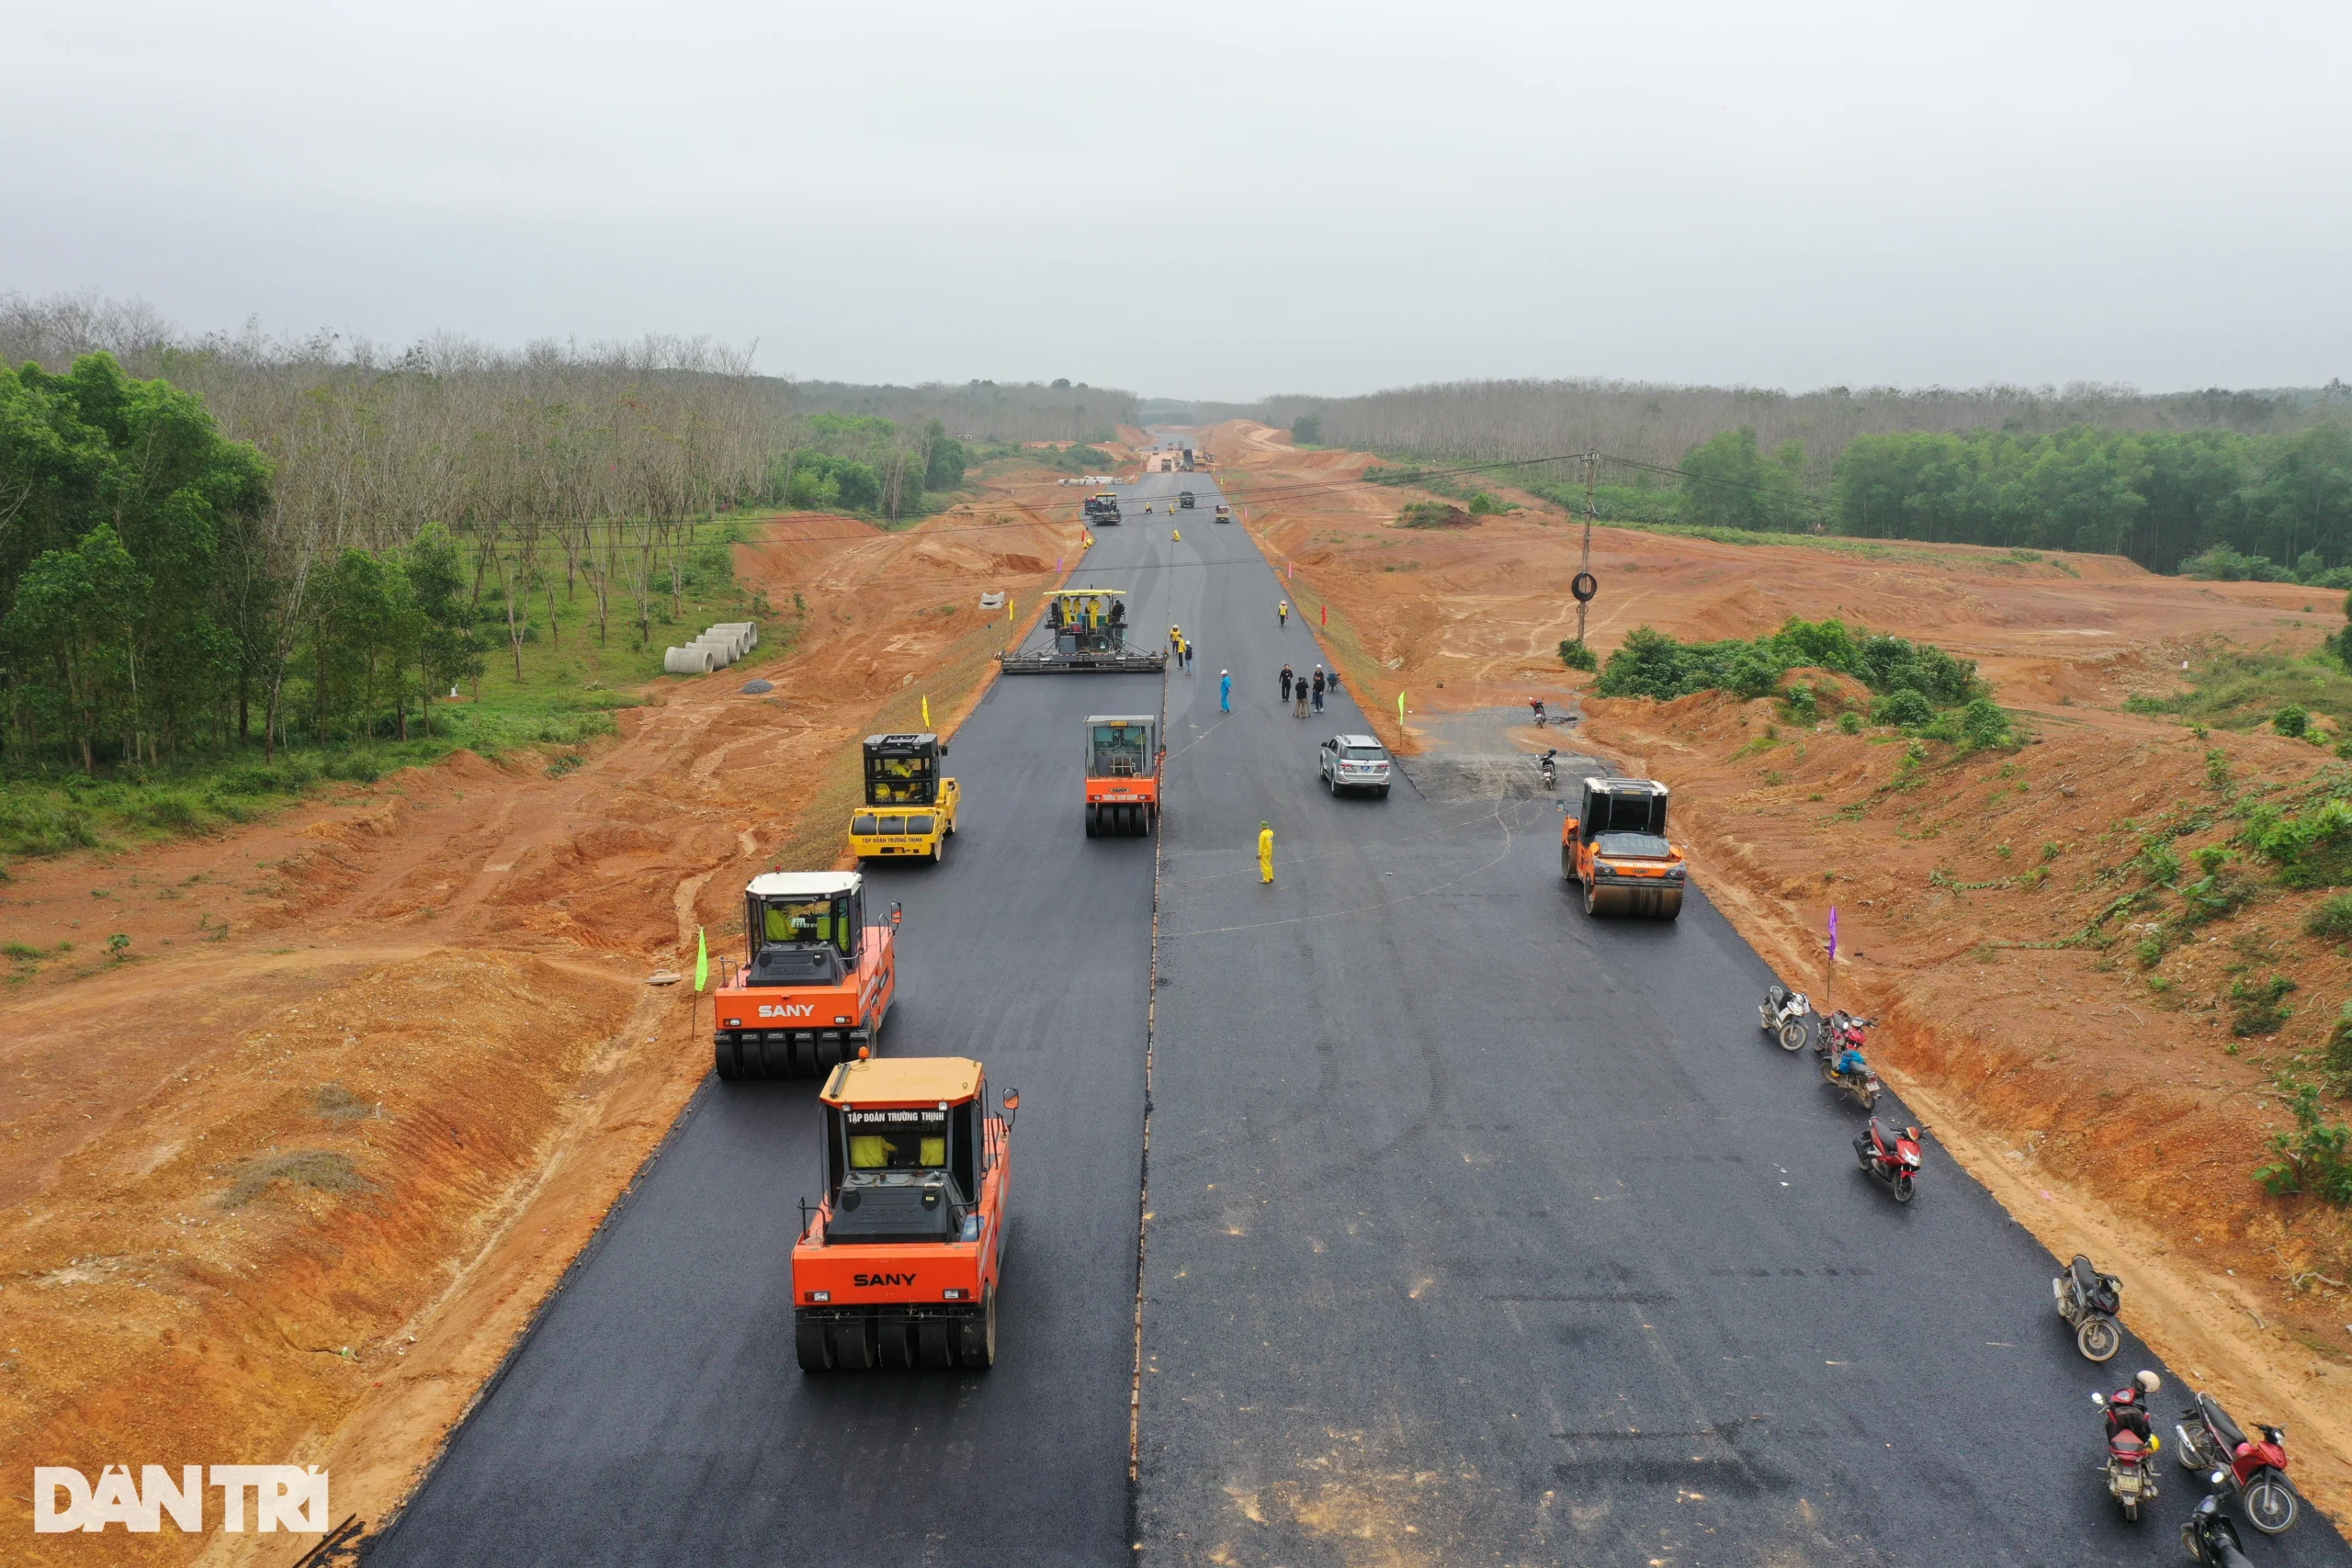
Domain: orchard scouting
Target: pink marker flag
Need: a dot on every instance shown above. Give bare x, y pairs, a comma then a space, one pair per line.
1290, 569
1057, 563
1833, 934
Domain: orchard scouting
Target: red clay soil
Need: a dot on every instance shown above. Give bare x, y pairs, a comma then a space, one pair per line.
288, 1191
2109, 1106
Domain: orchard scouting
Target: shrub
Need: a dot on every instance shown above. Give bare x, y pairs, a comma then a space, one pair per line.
1576, 655
1435, 515
31, 826
1849, 723
173, 813
2335, 1057
1983, 723
2332, 921
1803, 706
2292, 720
2313, 850
1484, 505
2256, 1009
2312, 1157
1907, 708
1652, 664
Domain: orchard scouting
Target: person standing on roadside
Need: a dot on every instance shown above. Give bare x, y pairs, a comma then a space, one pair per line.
1282, 611
1300, 691
1286, 680
1318, 688
1265, 854
1224, 691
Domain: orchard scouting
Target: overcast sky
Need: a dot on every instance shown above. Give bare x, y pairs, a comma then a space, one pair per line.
1216, 199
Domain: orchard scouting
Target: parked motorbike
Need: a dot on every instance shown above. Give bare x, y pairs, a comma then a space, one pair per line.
2132, 1445
2089, 1299
2211, 1441
1842, 1028
1783, 1016
1892, 1162
1839, 1052
2210, 1538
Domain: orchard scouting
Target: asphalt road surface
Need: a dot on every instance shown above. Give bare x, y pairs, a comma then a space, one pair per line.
1481, 1232
1486, 1232
656, 1414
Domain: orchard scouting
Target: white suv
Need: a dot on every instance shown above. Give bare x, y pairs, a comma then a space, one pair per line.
1353, 761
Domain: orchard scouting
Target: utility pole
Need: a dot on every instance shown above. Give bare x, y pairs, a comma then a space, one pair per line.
1591, 510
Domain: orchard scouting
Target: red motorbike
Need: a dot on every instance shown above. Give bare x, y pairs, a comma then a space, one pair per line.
2211, 1441
2132, 1445
1892, 1162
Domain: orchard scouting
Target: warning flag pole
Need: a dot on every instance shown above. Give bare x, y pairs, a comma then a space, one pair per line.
1830, 982
701, 961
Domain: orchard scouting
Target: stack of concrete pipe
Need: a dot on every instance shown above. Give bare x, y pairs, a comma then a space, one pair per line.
717, 648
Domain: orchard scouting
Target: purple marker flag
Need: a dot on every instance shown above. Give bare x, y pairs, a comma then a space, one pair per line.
1833, 934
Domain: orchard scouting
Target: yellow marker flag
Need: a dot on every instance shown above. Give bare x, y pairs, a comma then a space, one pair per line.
1400, 710
1007, 609
701, 961
926, 713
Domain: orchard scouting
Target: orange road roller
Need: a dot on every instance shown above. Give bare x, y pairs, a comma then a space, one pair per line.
897, 1264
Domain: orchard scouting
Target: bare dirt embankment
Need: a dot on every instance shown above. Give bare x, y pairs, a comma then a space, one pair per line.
289, 1191
2109, 1105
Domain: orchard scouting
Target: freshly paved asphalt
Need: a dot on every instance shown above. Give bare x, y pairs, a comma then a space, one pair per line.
1481, 1232
1484, 1232
656, 1414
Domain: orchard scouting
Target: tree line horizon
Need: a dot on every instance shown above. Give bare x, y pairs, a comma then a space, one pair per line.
2221, 485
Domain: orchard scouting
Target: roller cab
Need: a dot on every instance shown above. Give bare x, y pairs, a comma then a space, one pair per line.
1123, 758
1614, 845
817, 983
898, 1264
910, 809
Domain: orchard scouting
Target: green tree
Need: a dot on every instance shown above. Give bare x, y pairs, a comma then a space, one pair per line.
1727, 482
1307, 430
76, 610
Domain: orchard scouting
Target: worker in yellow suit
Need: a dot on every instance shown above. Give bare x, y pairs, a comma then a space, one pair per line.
1266, 853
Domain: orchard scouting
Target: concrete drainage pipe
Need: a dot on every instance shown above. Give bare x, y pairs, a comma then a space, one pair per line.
688, 660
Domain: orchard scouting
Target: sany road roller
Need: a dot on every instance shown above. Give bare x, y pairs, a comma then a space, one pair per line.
1121, 774
898, 1264
1615, 844
817, 982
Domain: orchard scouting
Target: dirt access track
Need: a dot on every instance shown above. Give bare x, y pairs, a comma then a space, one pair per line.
288, 1191
2110, 1109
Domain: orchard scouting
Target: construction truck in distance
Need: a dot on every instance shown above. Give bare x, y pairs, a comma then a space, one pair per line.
1103, 509
1123, 763
909, 809
818, 981
1614, 844
1087, 628
898, 1264
1223, 513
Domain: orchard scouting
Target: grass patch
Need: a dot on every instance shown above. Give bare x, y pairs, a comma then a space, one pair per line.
2248, 691
337, 1103
321, 1170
